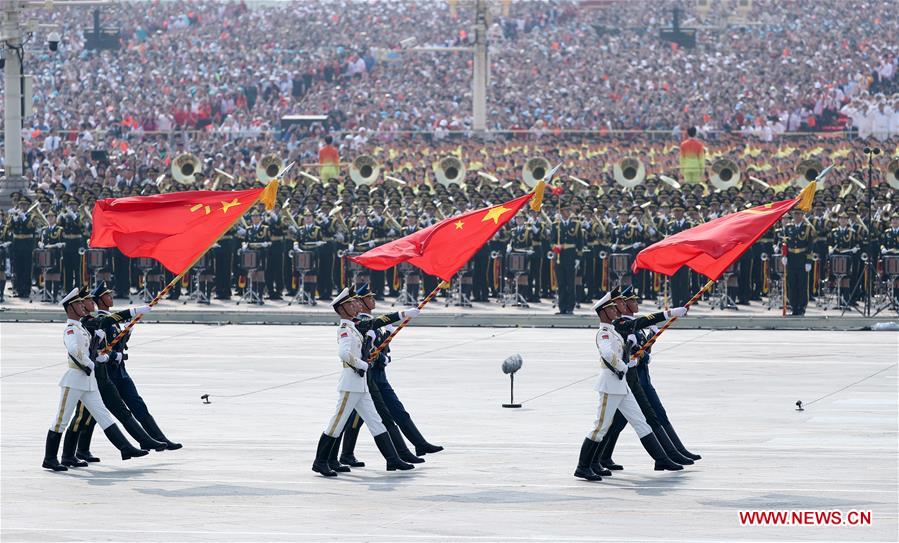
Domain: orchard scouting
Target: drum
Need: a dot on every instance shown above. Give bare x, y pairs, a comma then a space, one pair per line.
778, 263
733, 268
891, 265
620, 263
46, 258
839, 264
303, 261
518, 263
97, 258
405, 267
248, 259
144, 263
204, 262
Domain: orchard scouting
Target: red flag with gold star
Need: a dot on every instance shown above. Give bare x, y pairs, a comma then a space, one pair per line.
442, 248
174, 228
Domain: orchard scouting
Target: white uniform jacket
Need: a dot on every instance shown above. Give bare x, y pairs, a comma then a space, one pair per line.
78, 343
349, 350
611, 346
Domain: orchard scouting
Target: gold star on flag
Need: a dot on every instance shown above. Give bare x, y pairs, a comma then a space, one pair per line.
459, 224
495, 213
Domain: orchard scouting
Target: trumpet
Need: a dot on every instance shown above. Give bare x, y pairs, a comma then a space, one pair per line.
393, 221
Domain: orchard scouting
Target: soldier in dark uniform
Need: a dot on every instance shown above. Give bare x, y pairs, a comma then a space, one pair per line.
889, 248
330, 231
257, 238
362, 238
844, 241
309, 238
520, 241
536, 258
680, 281
51, 238
23, 231
379, 227
799, 236
626, 238
819, 248
223, 253
73, 236
274, 268
567, 237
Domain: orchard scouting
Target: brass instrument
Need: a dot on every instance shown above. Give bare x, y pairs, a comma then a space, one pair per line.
268, 168
892, 173
336, 211
184, 168
449, 170
365, 170
725, 174
534, 170
808, 171
393, 222
629, 172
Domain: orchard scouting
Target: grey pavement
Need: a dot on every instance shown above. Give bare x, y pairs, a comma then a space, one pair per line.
244, 473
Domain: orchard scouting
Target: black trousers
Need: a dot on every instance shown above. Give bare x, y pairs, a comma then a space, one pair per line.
565, 278
274, 269
797, 282
479, 275
121, 270
21, 254
71, 266
744, 279
224, 268
325, 271
680, 287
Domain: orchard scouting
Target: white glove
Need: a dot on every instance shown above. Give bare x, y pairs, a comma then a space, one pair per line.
633, 363
808, 267
410, 313
350, 248
632, 340
676, 312
141, 310
89, 364
118, 357
100, 334
783, 260
102, 358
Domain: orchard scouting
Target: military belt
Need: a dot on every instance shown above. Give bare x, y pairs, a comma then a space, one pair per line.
23, 236
71, 236
277, 238
795, 251
568, 246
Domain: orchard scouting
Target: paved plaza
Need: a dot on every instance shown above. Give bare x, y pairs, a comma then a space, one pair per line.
244, 472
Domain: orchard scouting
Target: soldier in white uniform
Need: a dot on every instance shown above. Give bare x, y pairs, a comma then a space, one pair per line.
353, 387
80, 384
615, 394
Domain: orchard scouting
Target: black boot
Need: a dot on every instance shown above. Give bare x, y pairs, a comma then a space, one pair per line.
348, 453
149, 423
142, 436
117, 438
320, 465
68, 451
401, 449
50, 450
387, 449
588, 451
333, 463
652, 446
422, 447
608, 447
680, 446
669, 447
596, 464
84, 444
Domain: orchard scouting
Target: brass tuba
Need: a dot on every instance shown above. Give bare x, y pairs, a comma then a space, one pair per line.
808, 171
449, 170
365, 170
892, 173
534, 170
629, 172
184, 167
269, 167
725, 174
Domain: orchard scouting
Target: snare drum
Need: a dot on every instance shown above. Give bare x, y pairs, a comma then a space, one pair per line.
734, 268
46, 258
97, 258
518, 263
144, 263
891, 265
778, 263
839, 264
621, 263
204, 262
249, 259
303, 261
352, 267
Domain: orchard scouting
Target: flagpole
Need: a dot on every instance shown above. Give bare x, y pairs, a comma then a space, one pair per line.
178, 277
374, 354
690, 302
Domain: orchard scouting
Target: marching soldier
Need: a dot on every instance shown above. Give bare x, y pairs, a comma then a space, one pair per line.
79, 384
567, 237
614, 394
353, 387
103, 329
23, 231
799, 237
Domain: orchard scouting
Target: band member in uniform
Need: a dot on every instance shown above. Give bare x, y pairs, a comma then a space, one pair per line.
627, 238
79, 384
353, 386
798, 236
614, 394
680, 281
274, 267
845, 241
362, 238
567, 237
536, 258
223, 252
520, 242
73, 236
23, 231
379, 232
257, 238
310, 238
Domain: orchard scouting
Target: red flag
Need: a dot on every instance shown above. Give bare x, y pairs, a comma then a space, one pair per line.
442, 248
174, 228
713, 246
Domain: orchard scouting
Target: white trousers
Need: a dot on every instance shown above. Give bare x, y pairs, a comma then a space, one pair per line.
627, 404
362, 403
69, 398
